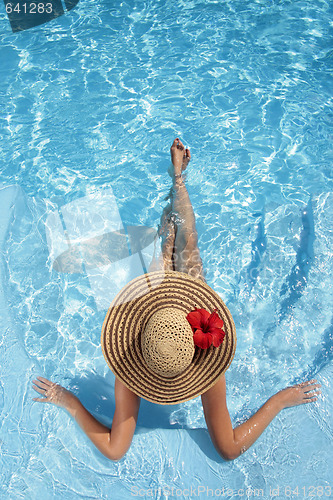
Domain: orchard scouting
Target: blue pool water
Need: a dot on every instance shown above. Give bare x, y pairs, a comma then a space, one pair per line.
90, 103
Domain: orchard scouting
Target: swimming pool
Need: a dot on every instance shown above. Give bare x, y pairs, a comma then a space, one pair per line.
89, 106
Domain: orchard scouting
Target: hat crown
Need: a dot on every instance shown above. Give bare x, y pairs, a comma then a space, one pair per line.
167, 342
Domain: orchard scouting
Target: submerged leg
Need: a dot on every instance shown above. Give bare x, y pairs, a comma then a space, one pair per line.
167, 233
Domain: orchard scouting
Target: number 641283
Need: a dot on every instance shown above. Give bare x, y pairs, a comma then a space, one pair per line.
29, 8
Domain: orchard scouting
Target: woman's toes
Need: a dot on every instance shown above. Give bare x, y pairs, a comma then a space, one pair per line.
186, 158
175, 142
177, 155
180, 145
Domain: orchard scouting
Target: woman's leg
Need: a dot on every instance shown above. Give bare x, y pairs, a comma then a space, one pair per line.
177, 228
186, 256
167, 233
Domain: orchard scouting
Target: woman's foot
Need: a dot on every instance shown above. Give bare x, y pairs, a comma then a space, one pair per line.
180, 157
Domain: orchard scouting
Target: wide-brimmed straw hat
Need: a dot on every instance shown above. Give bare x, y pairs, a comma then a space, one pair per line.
148, 342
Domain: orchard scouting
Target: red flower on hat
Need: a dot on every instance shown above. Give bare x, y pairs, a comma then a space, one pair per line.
207, 328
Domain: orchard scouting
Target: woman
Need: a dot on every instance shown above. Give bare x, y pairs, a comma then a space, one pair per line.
180, 254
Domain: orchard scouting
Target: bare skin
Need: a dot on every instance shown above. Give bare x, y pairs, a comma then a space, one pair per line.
180, 253
229, 442
179, 235
114, 442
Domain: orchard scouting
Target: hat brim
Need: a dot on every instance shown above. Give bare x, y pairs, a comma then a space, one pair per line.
127, 317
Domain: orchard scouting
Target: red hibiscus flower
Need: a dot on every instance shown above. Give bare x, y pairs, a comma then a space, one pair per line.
207, 328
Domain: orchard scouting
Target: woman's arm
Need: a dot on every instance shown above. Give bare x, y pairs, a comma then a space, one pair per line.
231, 443
114, 442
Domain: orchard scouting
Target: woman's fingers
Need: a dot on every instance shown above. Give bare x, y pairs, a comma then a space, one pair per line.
52, 392
40, 384
38, 389
43, 386
307, 382
309, 385
40, 400
45, 381
310, 390
311, 395
310, 399
298, 394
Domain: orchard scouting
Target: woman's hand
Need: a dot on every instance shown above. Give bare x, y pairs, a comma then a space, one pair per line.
53, 393
299, 394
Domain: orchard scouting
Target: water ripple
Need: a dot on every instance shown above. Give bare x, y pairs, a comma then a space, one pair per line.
93, 100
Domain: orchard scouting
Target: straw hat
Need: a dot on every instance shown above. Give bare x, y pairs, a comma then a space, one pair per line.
148, 342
